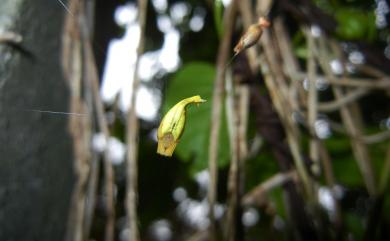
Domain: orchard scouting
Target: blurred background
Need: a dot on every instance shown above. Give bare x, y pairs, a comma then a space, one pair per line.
292, 143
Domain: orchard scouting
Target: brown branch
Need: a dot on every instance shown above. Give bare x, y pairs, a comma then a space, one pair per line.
237, 109
234, 226
132, 133
312, 104
79, 128
93, 179
223, 55
375, 138
93, 78
290, 63
382, 82
258, 194
342, 101
91, 195
367, 139
369, 70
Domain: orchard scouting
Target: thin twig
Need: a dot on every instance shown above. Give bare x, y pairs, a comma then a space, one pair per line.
381, 83
371, 71
312, 104
234, 192
296, 93
367, 139
369, 83
257, 194
237, 108
93, 179
290, 63
132, 133
79, 127
223, 55
342, 101
91, 195
92, 75
377, 137
233, 179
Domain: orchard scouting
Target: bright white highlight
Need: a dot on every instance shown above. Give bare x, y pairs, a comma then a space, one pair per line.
226, 2
116, 149
315, 31
179, 11
250, 217
161, 230
179, 194
119, 68
327, 201
382, 9
126, 14
169, 56
322, 128
197, 20
121, 57
147, 103
160, 5
203, 179
356, 57
322, 84
164, 23
336, 66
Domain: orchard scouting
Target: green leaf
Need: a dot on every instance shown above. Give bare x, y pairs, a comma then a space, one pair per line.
355, 24
354, 224
218, 9
196, 78
345, 166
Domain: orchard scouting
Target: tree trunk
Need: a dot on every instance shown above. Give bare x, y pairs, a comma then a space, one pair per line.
36, 154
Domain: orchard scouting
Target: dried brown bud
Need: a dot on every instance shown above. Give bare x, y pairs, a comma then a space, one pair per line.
252, 35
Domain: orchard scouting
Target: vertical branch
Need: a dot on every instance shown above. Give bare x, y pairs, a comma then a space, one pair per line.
92, 84
78, 127
312, 103
237, 100
93, 80
91, 195
93, 179
132, 133
234, 192
223, 53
